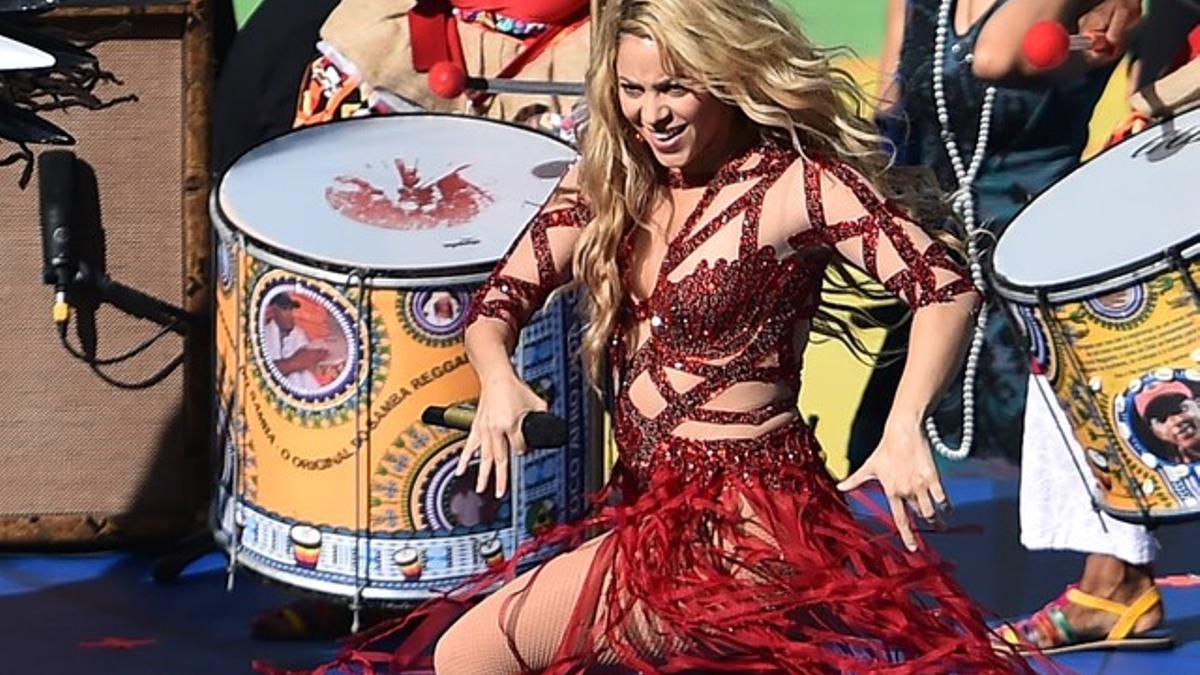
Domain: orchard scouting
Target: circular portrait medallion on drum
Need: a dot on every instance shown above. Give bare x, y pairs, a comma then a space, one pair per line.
1159, 415
435, 317
429, 497
1123, 309
307, 343
1041, 349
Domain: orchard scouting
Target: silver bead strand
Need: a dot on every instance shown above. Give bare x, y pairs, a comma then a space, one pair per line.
963, 200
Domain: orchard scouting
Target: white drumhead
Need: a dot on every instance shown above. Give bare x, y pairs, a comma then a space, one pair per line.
408, 194
1126, 205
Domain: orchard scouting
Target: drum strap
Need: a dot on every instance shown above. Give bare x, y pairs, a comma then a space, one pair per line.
434, 35
536, 45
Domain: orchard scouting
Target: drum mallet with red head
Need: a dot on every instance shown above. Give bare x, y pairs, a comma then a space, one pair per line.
448, 80
1047, 44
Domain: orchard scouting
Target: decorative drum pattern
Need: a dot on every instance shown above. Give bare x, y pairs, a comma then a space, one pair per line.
1100, 274
331, 481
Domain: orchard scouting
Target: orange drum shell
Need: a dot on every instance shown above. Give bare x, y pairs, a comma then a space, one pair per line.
387, 506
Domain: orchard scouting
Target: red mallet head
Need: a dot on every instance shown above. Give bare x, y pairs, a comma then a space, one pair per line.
1046, 45
447, 79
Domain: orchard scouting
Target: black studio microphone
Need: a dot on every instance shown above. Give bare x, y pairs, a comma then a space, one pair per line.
56, 194
541, 429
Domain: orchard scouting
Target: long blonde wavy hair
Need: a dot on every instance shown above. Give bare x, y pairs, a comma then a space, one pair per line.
749, 54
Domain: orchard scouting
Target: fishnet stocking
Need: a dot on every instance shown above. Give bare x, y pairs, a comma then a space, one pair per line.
532, 614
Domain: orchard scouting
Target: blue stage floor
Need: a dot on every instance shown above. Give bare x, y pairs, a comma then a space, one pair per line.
103, 613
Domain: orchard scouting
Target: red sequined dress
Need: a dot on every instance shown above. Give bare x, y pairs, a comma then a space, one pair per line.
729, 532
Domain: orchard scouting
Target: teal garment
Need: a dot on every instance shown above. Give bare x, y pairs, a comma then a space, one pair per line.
1036, 138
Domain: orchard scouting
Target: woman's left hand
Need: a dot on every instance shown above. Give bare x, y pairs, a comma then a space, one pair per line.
903, 465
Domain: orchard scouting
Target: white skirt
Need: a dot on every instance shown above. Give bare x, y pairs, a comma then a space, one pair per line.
1056, 503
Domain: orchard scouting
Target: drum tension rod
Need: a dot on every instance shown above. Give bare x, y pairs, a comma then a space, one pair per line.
1094, 408
1180, 265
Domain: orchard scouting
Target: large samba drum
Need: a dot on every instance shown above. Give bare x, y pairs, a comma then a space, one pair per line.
1100, 272
347, 256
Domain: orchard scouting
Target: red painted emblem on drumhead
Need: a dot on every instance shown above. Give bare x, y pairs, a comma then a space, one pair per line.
416, 204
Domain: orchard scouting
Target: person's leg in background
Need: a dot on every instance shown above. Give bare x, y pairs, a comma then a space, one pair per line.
1057, 513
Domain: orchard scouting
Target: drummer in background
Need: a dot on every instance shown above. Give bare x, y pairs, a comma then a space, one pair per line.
1038, 128
376, 55
1055, 511
287, 345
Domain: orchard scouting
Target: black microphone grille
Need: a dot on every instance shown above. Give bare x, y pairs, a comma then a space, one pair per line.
56, 180
56, 195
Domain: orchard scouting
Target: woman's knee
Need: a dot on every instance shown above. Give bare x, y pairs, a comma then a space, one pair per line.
472, 646
448, 653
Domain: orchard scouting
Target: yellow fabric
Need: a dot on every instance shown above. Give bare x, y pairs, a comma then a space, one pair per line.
1124, 625
1090, 601
1127, 614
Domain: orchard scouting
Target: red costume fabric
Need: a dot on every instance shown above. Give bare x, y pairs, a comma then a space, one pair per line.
435, 34
735, 547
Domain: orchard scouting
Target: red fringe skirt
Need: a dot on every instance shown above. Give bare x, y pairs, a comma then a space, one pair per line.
765, 571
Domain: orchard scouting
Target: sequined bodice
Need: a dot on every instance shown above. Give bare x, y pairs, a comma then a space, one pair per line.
708, 363
750, 289
714, 322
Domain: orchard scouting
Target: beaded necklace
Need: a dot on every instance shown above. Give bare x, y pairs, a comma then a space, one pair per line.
963, 200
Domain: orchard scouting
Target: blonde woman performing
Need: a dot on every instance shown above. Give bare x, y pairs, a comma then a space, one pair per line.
724, 172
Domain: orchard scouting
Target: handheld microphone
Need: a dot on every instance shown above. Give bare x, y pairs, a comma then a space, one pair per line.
1047, 44
56, 197
541, 429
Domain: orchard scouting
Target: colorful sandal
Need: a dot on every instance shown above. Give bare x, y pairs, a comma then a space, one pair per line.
1051, 622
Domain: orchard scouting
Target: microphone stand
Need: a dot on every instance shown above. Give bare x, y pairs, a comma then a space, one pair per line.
138, 304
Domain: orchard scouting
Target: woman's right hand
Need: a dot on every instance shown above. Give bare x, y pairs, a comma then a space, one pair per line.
504, 400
